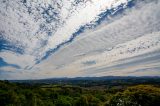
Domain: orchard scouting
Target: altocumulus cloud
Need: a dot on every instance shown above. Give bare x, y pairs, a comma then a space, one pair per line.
41, 39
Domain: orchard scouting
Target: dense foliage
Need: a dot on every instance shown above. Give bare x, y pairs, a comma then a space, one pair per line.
24, 94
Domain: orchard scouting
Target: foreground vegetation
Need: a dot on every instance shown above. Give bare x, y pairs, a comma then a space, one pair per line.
24, 94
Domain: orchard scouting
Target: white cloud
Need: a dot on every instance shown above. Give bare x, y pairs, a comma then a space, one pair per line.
136, 29
21, 60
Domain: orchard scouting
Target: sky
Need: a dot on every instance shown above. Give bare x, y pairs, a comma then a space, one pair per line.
79, 38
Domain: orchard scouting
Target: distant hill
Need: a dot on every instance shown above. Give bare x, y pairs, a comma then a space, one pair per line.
90, 81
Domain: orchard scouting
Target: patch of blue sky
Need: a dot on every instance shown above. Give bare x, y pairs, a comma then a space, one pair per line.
88, 63
5, 45
4, 64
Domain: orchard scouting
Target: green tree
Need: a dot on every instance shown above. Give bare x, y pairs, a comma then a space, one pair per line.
88, 100
142, 95
9, 98
64, 101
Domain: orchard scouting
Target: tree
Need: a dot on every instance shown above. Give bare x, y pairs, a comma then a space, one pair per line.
9, 98
64, 101
142, 95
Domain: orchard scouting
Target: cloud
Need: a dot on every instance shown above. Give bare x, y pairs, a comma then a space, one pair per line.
20, 60
129, 33
42, 26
